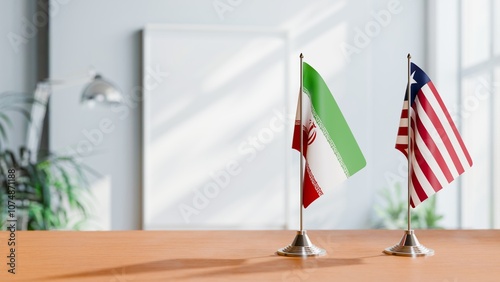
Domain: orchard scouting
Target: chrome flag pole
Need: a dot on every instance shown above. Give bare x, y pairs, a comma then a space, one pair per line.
301, 245
409, 245
302, 156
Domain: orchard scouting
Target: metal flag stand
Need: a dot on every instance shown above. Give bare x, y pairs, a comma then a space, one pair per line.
409, 246
301, 245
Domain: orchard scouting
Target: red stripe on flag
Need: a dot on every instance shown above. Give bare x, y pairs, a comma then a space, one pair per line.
309, 194
403, 149
403, 131
296, 138
404, 113
422, 196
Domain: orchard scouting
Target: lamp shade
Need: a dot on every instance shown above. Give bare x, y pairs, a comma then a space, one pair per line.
101, 91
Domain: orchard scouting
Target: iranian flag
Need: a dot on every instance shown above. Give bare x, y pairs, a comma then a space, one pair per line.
330, 150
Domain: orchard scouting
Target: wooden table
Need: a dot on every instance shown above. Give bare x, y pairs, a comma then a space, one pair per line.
461, 255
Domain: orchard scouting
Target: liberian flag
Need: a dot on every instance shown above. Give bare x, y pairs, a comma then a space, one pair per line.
331, 152
438, 154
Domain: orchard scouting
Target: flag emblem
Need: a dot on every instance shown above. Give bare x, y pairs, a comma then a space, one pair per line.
329, 147
437, 152
311, 132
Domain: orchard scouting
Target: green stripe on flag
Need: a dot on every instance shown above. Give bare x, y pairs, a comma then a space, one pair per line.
327, 113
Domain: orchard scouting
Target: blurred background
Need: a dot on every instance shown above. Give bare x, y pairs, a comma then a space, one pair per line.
201, 138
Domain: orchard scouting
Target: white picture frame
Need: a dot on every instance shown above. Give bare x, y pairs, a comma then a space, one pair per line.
216, 127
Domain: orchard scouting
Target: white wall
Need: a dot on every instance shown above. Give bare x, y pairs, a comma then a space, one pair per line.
368, 86
18, 57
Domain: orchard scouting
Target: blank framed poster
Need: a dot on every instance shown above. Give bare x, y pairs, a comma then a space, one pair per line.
216, 131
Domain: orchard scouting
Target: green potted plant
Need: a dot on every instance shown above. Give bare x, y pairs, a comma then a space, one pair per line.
50, 193
393, 212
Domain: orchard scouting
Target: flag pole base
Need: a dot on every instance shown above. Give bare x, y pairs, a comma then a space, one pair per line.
409, 247
301, 247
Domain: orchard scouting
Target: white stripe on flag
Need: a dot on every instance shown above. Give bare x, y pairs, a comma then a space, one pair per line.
402, 139
403, 122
